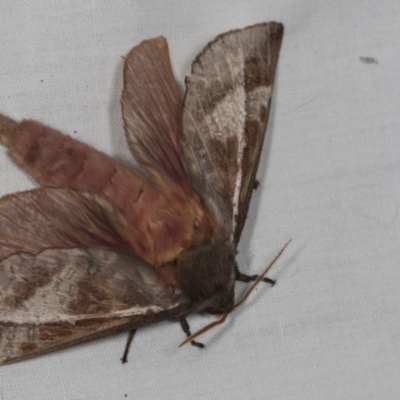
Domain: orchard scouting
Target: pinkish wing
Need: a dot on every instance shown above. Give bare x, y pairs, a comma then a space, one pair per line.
151, 108
55, 159
62, 217
159, 203
59, 297
225, 115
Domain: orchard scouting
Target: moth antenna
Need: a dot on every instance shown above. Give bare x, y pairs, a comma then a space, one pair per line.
205, 329
261, 276
240, 302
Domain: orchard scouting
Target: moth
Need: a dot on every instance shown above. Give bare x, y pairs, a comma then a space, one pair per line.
103, 247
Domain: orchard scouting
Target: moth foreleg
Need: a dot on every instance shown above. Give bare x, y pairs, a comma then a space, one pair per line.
256, 184
124, 358
250, 278
186, 329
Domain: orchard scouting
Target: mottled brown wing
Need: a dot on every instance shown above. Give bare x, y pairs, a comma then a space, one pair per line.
59, 297
151, 108
225, 115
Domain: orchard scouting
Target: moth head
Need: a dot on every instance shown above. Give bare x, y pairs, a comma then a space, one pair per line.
238, 304
206, 274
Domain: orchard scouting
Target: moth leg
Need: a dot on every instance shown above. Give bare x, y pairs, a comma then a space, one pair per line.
256, 184
124, 358
249, 278
186, 329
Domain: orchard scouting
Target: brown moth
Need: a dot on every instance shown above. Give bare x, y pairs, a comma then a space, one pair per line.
102, 247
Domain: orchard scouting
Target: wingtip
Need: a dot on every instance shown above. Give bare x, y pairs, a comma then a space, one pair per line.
7, 127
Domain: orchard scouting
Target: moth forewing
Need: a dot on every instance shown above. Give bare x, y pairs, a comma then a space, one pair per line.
109, 247
224, 119
62, 296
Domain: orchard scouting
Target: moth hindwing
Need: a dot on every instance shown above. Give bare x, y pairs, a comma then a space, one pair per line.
101, 246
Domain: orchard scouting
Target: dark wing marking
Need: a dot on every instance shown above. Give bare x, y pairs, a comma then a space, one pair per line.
59, 297
62, 217
225, 115
151, 107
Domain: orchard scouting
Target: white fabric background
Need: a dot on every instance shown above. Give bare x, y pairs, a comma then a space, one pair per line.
330, 179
